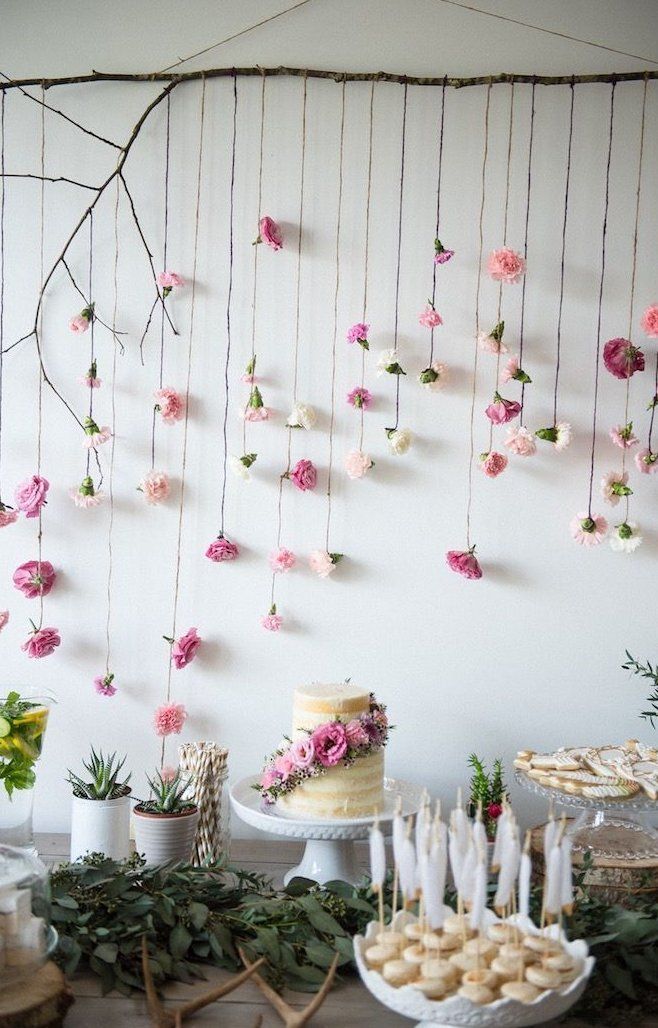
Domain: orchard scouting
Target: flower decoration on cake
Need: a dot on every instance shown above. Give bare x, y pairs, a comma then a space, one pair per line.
86, 495
464, 562
183, 650
513, 372
104, 684
492, 342
168, 280
646, 461
588, 529
155, 487
272, 621
358, 464
323, 562
41, 642
358, 333
269, 232
622, 358
31, 495
170, 405
559, 435
430, 317
492, 463
500, 411
34, 578
506, 265
649, 320
614, 485
240, 465
221, 550
304, 475
441, 254
435, 376
360, 398
302, 415
626, 537
81, 322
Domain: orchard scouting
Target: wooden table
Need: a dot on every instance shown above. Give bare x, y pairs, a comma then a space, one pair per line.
350, 1005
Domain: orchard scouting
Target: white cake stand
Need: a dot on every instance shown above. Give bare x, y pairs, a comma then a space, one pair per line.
329, 854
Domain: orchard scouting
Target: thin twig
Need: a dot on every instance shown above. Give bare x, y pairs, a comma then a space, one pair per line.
48, 178
54, 110
114, 332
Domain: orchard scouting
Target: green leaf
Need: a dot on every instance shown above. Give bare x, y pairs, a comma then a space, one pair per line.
107, 951
179, 941
198, 915
621, 979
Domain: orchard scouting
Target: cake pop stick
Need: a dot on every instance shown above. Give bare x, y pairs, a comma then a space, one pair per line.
378, 867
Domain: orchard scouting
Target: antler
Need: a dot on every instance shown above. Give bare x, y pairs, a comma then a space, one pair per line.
165, 1018
292, 1018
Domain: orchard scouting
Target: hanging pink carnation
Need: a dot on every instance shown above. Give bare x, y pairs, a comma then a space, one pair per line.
4, 619
103, 685
282, 560
614, 485
430, 317
441, 254
269, 232
95, 436
588, 529
501, 411
492, 342
171, 405
183, 650
646, 461
41, 643
649, 320
34, 578
330, 743
359, 334
514, 372
304, 475
302, 753
506, 265
31, 495
323, 563
272, 621
7, 515
155, 487
521, 442
622, 436
169, 719
90, 379
356, 734
493, 463
621, 358
79, 323
86, 496
360, 397
357, 464
168, 280
464, 562
221, 549
255, 409
249, 376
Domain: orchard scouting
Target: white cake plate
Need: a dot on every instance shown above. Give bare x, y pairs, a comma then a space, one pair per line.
329, 854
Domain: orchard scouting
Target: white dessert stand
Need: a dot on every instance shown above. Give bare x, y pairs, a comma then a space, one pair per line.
329, 854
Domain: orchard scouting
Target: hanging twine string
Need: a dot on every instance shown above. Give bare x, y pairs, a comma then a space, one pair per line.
600, 305
485, 155
42, 220
190, 346
567, 183
90, 287
399, 254
438, 210
366, 251
110, 482
229, 296
2, 261
339, 212
165, 246
525, 243
256, 251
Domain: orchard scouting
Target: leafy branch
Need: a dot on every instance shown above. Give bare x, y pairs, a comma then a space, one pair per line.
651, 673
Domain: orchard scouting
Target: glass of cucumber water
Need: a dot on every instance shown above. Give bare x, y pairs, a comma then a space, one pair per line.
23, 721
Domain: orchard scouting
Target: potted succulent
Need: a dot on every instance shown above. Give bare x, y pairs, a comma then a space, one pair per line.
100, 821
166, 824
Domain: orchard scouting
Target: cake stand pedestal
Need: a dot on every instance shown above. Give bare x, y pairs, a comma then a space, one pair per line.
330, 854
611, 829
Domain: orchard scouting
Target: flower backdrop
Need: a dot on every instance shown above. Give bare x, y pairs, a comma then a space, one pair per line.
265, 307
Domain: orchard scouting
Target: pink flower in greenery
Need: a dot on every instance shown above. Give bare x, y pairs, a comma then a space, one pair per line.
31, 495
221, 549
622, 436
521, 442
360, 397
357, 464
649, 320
183, 650
4, 619
588, 530
356, 734
155, 487
304, 475
330, 743
464, 562
430, 317
7, 515
270, 233
359, 334
34, 578
506, 265
282, 560
302, 753
501, 411
103, 684
41, 643
646, 461
621, 358
272, 621
493, 463
169, 719
170, 404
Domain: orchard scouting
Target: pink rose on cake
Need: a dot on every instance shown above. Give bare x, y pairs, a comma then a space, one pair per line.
303, 754
284, 765
330, 743
356, 734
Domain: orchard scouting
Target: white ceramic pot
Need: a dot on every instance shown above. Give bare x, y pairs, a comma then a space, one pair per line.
101, 826
165, 838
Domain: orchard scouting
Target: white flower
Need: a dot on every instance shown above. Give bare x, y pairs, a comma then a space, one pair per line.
302, 416
434, 383
608, 483
400, 440
385, 359
563, 429
238, 468
626, 538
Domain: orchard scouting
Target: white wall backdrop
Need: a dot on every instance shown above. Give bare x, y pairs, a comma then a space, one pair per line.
528, 656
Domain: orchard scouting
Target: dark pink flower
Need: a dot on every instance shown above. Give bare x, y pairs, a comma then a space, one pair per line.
330, 743
649, 321
221, 549
270, 233
41, 643
621, 358
494, 810
184, 649
169, 719
103, 685
31, 495
501, 411
170, 404
506, 265
441, 254
464, 562
493, 463
34, 578
360, 397
7, 515
359, 334
304, 475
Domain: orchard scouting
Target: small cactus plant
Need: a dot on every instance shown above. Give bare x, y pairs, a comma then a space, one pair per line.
104, 771
167, 794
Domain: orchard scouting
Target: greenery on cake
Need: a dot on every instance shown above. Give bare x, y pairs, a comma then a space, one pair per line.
332, 744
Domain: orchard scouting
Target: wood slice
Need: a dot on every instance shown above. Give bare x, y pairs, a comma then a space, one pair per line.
612, 881
40, 1001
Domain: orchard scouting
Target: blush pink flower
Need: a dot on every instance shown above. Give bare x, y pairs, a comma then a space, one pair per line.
250, 371
103, 684
521, 442
255, 413
360, 397
168, 280
91, 379
302, 753
282, 560
501, 411
304, 475
268, 778
284, 765
493, 463
155, 487
649, 320
323, 563
430, 317
31, 495
614, 485
221, 549
41, 643
79, 324
4, 619
330, 743
464, 562
506, 265
170, 404
492, 342
95, 436
359, 334
271, 621
646, 461
514, 372
435, 376
621, 358
168, 773
357, 464
356, 734
7, 515
269, 232
622, 436
34, 578
183, 650
588, 530
169, 719
86, 496
441, 254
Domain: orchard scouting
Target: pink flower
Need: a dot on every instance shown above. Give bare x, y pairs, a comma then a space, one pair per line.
646, 461
86, 496
505, 265
588, 530
79, 324
90, 379
488, 342
284, 765
270, 233
464, 562
441, 254
183, 651
356, 734
282, 560
330, 743
302, 752
621, 358
272, 621
34, 578
501, 411
521, 442
357, 464
155, 487
7, 515
168, 773
95, 436
360, 397
304, 475
513, 371
614, 485
250, 371
359, 334
649, 320
4, 619
255, 413
41, 643
268, 777
430, 317
622, 436
168, 280
31, 495
170, 404
493, 463
221, 549
494, 810
103, 684
323, 563
169, 719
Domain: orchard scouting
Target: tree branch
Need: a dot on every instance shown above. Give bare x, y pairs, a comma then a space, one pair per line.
48, 178
113, 332
54, 110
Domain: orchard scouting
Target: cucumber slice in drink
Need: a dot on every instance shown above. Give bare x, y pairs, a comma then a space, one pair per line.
5, 727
